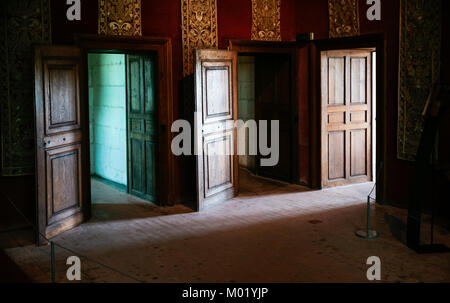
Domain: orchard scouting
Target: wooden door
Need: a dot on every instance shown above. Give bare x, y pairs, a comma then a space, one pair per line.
215, 136
273, 102
346, 117
142, 126
62, 175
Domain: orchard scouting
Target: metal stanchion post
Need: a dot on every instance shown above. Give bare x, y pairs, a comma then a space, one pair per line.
367, 234
52, 247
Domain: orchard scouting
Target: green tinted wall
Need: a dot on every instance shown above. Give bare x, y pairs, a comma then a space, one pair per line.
107, 116
246, 100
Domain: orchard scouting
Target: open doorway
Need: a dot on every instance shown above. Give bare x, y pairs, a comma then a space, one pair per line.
62, 118
122, 127
348, 116
264, 94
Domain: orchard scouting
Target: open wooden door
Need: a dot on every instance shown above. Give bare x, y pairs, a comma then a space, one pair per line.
142, 126
346, 116
61, 156
215, 137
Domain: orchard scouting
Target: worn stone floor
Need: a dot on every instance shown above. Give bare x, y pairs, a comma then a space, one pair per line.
271, 232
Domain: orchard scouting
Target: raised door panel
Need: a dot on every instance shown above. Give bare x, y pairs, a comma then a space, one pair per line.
62, 108
336, 81
358, 80
218, 161
358, 153
336, 155
64, 186
217, 96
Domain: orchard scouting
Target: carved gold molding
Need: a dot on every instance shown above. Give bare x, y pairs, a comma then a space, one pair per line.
343, 18
199, 29
266, 20
119, 17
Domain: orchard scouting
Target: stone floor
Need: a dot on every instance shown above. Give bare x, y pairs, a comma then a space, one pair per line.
271, 232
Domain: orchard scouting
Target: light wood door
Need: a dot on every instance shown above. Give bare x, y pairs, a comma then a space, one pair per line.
215, 136
346, 117
142, 125
61, 157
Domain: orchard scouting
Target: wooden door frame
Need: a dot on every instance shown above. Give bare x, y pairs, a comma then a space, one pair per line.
163, 48
282, 48
378, 42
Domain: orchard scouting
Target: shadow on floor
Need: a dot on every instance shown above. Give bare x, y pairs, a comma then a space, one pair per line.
397, 227
10, 272
112, 204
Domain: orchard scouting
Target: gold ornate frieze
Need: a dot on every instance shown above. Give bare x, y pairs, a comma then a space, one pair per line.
343, 18
199, 29
419, 68
119, 17
266, 20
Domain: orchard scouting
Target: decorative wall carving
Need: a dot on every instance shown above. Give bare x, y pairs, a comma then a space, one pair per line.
199, 29
419, 63
23, 22
119, 17
266, 20
343, 18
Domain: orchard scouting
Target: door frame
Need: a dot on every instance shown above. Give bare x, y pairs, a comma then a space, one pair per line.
282, 48
163, 48
376, 41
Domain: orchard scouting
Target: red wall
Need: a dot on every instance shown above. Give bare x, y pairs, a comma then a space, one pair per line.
163, 18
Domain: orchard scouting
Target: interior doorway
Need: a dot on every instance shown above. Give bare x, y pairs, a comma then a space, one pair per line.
62, 124
122, 124
264, 94
348, 116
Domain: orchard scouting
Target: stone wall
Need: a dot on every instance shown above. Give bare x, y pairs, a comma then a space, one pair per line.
107, 116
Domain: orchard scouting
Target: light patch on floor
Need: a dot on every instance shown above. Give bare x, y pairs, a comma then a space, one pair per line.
271, 232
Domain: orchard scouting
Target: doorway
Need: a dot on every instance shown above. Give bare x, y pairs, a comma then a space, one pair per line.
122, 123
63, 166
264, 94
348, 121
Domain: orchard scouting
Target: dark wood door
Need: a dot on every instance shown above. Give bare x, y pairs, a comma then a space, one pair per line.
142, 126
215, 135
61, 158
346, 117
273, 103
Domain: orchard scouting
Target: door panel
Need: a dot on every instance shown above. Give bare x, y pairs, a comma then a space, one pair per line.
142, 126
346, 117
358, 153
64, 193
336, 80
336, 159
215, 136
62, 200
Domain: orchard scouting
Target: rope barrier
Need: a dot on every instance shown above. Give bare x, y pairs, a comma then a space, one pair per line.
368, 233
53, 244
